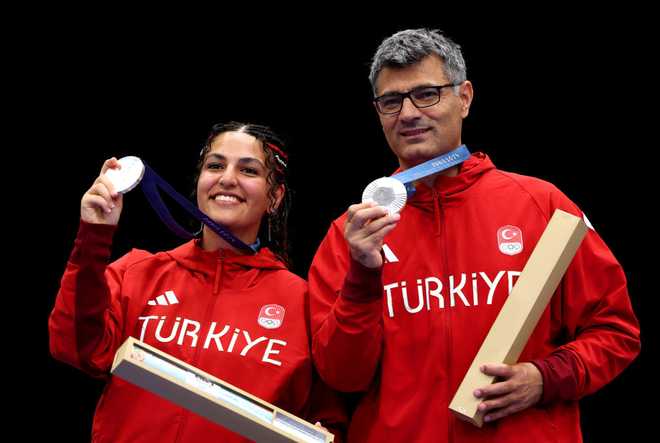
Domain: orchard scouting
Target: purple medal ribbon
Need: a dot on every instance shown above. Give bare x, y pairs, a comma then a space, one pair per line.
151, 183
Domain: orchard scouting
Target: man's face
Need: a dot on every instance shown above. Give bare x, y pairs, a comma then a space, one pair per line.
416, 135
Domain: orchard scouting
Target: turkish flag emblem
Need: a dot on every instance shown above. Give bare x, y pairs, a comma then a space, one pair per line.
271, 316
510, 240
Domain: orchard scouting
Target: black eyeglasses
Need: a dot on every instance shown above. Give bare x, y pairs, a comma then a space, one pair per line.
421, 97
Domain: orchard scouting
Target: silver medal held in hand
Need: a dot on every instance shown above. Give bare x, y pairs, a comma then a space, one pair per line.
391, 192
387, 192
128, 176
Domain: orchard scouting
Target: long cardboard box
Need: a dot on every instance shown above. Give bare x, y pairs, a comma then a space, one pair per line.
522, 309
210, 397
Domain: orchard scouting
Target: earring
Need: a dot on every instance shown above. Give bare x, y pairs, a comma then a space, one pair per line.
269, 238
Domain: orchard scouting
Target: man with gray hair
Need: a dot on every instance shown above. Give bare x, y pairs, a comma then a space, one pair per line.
401, 302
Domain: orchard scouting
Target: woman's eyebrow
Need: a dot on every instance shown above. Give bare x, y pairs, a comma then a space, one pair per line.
243, 160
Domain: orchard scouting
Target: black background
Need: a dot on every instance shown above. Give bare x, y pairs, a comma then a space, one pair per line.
553, 99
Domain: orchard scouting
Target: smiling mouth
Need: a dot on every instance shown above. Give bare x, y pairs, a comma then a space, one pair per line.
414, 132
227, 198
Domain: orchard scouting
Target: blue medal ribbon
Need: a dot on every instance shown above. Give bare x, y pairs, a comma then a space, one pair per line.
433, 166
151, 183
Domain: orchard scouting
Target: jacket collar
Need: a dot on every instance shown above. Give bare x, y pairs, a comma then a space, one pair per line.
191, 256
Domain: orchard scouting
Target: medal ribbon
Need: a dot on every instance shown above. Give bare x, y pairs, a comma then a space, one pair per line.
433, 166
151, 183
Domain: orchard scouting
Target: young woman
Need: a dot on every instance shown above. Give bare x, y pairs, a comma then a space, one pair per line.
241, 317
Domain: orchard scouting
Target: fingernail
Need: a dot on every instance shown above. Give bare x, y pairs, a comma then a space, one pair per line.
487, 418
396, 216
477, 393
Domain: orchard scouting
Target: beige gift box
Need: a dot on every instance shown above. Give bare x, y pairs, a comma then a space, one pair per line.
210, 397
522, 309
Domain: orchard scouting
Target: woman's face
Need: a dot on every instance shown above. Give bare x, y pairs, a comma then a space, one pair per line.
233, 188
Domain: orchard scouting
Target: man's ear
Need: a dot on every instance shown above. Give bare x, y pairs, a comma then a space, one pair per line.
466, 94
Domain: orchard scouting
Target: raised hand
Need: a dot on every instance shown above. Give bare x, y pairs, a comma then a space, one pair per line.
366, 226
101, 204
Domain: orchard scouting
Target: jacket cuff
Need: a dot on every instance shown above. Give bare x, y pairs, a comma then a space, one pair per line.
560, 380
362, 284
93, 241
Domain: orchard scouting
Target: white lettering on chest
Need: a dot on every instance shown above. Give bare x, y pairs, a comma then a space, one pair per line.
429, 291
188, 332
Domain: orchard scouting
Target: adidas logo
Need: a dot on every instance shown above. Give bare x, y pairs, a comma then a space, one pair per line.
169, 298
389, 255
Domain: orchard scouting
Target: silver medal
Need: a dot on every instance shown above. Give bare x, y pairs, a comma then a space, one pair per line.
128, 177
387, 192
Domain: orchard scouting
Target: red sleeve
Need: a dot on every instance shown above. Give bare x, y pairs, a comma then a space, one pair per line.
85, 325
559, 371
346, 312
593, 311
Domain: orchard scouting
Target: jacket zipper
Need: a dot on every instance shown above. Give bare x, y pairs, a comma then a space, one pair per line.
441, 233
217, 284
218, 274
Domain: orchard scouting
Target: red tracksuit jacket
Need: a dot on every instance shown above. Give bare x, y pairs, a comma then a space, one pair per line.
407, 333
241, 318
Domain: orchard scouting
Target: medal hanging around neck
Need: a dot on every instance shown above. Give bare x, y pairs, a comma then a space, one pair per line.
393, 192
134, 171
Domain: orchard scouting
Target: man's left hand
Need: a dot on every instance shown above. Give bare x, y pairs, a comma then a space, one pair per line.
518, 387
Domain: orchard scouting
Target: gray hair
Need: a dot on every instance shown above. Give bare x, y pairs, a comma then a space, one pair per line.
405, 48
